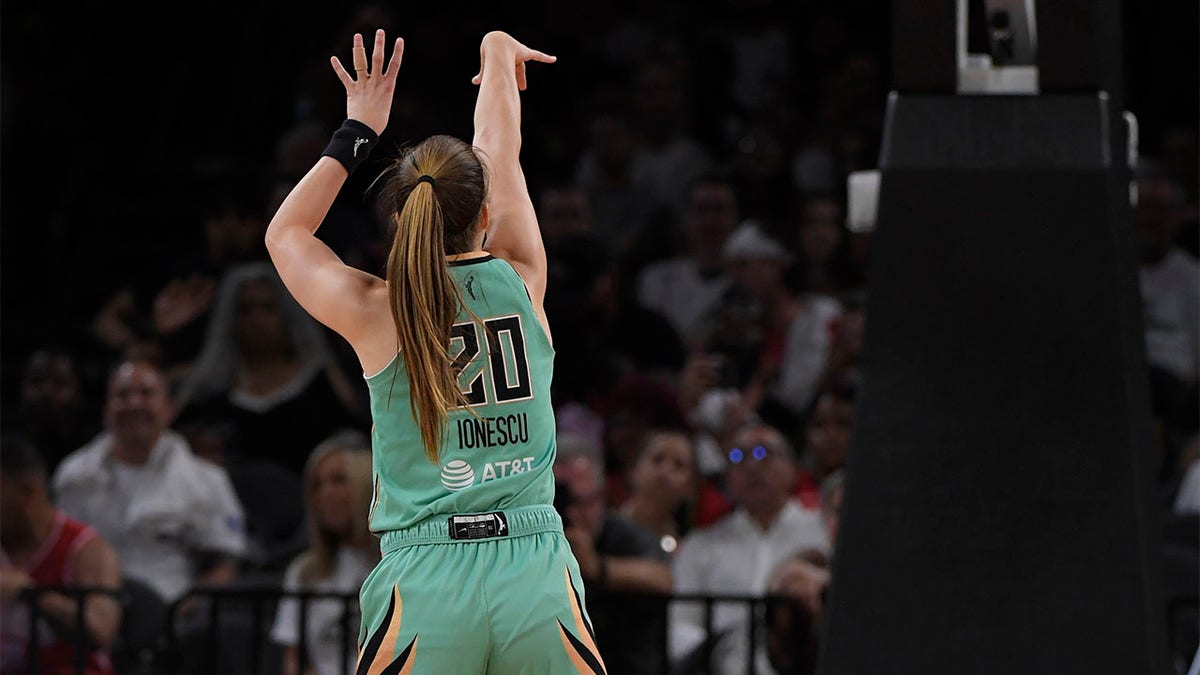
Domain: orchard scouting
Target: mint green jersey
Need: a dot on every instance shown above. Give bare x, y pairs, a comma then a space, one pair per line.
497, 453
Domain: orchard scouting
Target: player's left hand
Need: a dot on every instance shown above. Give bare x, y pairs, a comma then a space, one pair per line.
369, 91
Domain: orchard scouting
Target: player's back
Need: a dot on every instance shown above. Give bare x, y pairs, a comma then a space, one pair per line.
497, 453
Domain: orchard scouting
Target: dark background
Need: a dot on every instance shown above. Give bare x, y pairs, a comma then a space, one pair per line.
114, 115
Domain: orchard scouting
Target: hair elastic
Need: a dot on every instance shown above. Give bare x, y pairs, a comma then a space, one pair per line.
426, 178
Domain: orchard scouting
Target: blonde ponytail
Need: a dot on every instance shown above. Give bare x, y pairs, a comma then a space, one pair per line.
434, 196
424, 305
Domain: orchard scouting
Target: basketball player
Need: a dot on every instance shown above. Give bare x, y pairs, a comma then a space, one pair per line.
476, 575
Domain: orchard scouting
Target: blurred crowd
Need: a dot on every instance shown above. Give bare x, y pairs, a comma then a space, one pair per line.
707, 301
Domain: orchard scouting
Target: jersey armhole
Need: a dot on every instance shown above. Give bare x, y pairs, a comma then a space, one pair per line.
543, 330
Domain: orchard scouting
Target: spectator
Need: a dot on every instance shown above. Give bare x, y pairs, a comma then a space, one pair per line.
173, 518
42, 546
563, 211
794, 625
793, 328
632, 409
1170, 287
617, 557
825, 436
662, 486
1186, 499
342, 552
846, 333
601, 334
54, 405
714, 407
168, 303
266, 367
827, 432
666, 158
686, 288
825, 263
737, 554
620, 207
1179, 151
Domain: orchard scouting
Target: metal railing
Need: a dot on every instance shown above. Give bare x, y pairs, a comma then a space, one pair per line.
221, 601
170, 655
81, 640
201, 651
259, 598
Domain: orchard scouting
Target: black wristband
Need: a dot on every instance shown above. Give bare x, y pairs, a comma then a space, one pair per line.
351, 144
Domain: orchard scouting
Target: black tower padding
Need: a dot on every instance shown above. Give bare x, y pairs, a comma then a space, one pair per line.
997, 516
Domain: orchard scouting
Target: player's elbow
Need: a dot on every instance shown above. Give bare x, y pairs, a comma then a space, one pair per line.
279, 241
272, 237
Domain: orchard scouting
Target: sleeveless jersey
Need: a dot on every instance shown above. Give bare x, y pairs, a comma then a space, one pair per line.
54, 565
498, 452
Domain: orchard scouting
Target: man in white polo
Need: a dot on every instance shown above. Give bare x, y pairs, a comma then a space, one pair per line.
737, 554
173, 517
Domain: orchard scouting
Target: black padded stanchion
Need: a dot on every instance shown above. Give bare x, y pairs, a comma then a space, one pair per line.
997, 516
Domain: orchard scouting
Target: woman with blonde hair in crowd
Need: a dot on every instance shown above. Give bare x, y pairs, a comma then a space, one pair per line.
341, 553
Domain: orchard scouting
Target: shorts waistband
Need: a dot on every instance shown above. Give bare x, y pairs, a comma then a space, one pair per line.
519, 521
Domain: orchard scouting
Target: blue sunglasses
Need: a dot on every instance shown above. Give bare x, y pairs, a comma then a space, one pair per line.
736, 455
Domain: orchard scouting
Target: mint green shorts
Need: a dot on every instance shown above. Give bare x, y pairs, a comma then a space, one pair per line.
507, 600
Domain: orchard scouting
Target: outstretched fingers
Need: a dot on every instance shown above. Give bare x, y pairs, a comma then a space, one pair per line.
360, 64
340, 71
377, 53
535, 55
522, 55
360, 57
397, 57
526, 56
363, 69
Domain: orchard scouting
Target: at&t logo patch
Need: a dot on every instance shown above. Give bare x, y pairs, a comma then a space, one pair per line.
457, 475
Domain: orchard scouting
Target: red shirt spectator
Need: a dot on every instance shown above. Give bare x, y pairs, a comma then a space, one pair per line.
42, 546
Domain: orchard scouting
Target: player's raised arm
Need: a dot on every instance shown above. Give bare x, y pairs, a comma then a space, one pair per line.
513, 234
332, 292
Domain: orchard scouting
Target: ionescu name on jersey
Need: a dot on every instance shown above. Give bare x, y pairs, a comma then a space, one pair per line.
490, 432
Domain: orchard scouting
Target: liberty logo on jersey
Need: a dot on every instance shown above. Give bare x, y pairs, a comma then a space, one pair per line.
458, 475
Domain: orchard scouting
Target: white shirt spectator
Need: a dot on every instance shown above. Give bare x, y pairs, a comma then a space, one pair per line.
807, 351
323, 627
677, 290
157, 516
1171, 298
735, 557
1187, 499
